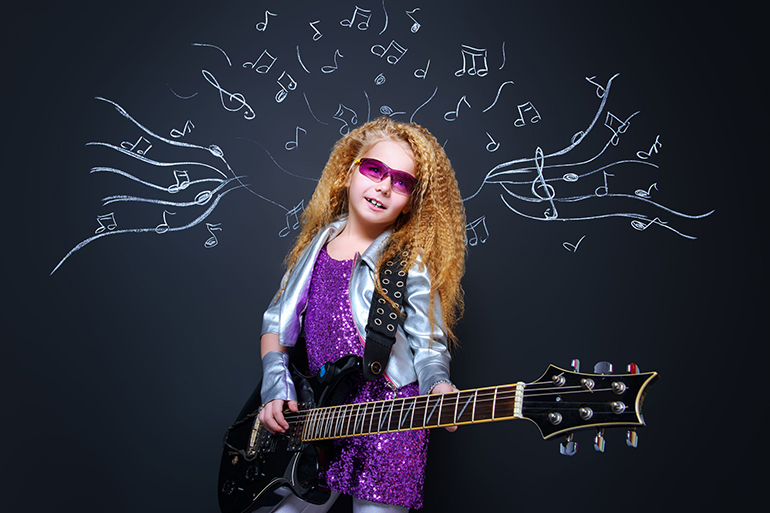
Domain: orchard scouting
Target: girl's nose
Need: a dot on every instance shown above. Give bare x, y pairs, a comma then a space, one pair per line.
385, 185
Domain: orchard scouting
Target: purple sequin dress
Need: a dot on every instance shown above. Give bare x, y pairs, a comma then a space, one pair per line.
387, 468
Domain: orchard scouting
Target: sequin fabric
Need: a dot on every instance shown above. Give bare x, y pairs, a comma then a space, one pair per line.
388, 468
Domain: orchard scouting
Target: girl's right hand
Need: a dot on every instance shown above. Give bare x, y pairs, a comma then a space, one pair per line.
271, 415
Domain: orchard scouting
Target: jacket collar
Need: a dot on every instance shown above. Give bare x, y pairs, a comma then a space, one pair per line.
375, 249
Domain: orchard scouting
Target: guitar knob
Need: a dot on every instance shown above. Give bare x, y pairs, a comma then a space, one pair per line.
599, 440
569, 446
632, 439
576, 365
603, 368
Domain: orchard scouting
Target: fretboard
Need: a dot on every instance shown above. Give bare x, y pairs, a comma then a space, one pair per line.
410, 413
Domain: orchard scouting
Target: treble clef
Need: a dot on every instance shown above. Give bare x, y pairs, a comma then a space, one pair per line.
550, 192
248, 113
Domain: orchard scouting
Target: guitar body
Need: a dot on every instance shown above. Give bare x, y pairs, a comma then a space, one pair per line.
256, 464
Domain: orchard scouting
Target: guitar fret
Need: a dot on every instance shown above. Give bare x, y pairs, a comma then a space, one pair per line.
371, 416
403, 417
494, 403
414, 409
340, 420
457, 402
359, 420
475, 399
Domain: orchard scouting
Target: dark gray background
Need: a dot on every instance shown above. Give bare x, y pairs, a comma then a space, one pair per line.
122, 370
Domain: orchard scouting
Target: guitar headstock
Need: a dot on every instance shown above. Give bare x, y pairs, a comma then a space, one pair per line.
562, 401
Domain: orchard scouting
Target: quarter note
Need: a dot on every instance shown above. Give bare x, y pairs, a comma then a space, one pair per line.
262, 25
646, 194
599, 89
422, 73
653, 149
573, 247
603, 190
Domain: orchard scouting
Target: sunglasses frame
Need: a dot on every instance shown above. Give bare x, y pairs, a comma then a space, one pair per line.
396, 176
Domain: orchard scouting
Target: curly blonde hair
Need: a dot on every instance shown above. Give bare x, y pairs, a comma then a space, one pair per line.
434, 226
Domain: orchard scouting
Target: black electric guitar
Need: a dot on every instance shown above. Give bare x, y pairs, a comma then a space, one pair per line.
255, 463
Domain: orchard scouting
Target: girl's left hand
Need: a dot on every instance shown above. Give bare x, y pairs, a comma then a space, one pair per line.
445, 388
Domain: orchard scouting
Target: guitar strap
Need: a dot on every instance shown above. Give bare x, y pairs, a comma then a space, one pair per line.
384, 319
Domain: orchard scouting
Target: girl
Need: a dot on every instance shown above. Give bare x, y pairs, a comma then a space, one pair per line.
387, 189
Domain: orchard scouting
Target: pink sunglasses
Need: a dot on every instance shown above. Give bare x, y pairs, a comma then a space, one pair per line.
400, 181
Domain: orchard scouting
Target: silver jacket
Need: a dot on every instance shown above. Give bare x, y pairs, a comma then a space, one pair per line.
413, 357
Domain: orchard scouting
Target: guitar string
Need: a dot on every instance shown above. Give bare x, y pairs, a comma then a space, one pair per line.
332, 414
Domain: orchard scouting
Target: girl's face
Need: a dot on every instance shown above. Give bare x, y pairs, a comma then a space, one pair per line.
375, 204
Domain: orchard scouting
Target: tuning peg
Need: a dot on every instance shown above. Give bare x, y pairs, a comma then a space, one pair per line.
603, 368
632, 439
569, 446
599, 440
633, 368
576, 365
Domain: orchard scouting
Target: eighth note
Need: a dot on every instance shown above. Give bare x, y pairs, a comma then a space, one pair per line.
602, 190
646, 194
330, 69
526, 107
472, 226
394, 52
296, 212
110, 218
364, 13
284, 92
416, 25
186, 130
317, 34
140, 147
653, 149
473, 53
262, 25
163, 227
212, 241
182, 182
293, 144
453, 114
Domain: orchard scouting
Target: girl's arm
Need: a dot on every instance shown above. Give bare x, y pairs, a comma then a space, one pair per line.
276, 382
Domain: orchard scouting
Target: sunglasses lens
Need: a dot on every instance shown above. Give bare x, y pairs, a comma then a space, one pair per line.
400, 181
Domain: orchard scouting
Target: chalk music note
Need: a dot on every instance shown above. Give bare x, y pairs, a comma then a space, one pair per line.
344, 129
422, 73
212, 241
493, 145
330, 69
603, 190
284, 91
363, 13
653, 149
640, 226
203, 197
106, 218
186, 130
570, 177
599, 89
394, 52
293, 213
525, 107
623, 126
473, 54
182, 182
317, 34
646, 194
238, 98
140, 147
453, 114
262, 25
387, 111
380, 79
573, 247
539, 182
416, 25
293, 144
260, 65
480, 234
163, 227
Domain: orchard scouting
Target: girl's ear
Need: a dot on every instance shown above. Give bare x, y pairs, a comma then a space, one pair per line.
407, 208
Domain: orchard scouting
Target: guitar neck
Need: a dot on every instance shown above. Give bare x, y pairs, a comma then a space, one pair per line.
406, 414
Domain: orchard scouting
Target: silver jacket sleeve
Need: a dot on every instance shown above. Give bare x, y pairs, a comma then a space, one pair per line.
276, 380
